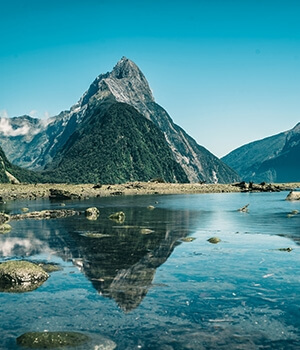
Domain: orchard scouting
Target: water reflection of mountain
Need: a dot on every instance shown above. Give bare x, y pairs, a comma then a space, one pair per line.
120, 259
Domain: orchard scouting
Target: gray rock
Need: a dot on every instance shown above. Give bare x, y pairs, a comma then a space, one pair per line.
293, 196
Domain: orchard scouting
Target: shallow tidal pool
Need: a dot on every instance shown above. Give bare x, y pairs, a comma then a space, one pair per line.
154, 281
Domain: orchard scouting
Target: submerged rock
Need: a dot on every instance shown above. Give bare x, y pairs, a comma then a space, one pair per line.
187, 239
24, 210
289, 249
244, 209
21, 276
92, 213
51, 340
151, 207
117, 217
46, 214
214, 240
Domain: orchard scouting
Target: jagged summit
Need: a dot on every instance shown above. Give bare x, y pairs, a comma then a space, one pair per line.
125, 83
126, 68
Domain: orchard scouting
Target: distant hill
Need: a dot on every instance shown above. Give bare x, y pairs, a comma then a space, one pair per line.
115, 145
34, 144
273, 159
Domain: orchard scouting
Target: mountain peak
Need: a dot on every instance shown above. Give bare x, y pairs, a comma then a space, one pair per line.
125, 68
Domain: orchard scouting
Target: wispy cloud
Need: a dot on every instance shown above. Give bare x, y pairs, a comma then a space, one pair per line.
7, 130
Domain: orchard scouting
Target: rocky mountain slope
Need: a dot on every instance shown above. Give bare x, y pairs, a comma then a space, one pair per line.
43, 141
273, 159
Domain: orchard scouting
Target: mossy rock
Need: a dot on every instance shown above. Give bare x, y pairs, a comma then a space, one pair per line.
5, 228
51, 340
21, 276
214, 240
187, 239
92, 213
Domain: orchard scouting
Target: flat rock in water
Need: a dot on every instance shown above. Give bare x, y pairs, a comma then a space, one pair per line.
46, 214
64, 340
51, 340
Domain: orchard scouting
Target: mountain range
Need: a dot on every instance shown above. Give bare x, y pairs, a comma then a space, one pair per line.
272, 159
115, 133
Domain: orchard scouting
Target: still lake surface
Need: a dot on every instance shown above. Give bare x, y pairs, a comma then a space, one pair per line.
142, 286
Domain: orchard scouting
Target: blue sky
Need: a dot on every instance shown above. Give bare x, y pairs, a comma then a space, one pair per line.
228, 72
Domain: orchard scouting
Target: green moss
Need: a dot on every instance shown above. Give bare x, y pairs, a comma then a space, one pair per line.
51, 340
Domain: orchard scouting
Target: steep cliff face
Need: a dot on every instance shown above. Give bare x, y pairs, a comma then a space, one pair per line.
125, 84
273, 159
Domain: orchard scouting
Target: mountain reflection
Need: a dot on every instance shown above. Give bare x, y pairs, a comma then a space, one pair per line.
120, 260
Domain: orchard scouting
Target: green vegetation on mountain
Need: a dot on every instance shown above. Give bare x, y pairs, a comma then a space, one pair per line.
115, 145
12, 173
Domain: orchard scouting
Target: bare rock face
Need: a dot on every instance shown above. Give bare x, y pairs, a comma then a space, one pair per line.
293, 196
21, 276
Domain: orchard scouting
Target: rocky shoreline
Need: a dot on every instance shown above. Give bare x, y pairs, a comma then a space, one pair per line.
83, 191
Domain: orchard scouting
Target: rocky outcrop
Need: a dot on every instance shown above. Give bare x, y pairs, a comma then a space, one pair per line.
21, 276
252, 187
293, 196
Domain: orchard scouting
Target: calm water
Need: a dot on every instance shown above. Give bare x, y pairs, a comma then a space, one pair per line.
143, 287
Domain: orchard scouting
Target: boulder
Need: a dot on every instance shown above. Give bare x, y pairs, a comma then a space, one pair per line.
4, 218
92, 213
5, 228
21, 276
293, 196
214, 240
